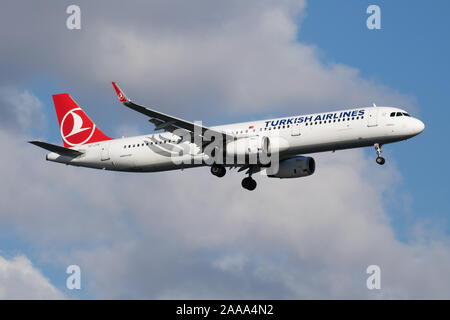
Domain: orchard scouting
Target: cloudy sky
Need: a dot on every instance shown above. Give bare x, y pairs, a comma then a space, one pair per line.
188, 234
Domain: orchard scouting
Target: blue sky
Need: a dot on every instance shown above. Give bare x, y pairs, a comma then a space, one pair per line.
408, 57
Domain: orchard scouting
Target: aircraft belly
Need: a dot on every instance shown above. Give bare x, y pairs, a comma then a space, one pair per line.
343, 138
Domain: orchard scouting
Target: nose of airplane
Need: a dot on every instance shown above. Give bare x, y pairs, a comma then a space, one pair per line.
419, 126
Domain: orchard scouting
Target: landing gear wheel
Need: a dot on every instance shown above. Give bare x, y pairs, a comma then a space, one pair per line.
218, 171
249, 184
380, 160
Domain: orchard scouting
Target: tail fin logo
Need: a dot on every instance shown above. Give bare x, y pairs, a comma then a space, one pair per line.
72, 130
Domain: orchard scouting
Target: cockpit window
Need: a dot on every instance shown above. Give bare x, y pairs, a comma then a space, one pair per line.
399, 114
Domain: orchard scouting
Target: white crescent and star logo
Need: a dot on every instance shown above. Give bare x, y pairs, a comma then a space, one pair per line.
72, 135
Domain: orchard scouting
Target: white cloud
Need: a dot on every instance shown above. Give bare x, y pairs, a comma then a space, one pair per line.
20, 280
230, 263
21, 110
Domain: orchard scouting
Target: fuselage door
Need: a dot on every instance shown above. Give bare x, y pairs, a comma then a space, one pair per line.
104, 154
372, 117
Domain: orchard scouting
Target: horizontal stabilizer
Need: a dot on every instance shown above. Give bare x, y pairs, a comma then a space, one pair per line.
57, 149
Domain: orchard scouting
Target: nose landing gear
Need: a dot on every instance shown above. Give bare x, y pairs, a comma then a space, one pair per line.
380, 160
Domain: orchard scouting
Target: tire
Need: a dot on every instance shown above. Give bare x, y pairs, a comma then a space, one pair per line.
245, 183
380, 160
248, 183
252, 185
218, 171
222, 172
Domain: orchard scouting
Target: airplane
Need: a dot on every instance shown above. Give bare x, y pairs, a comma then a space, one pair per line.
277, 147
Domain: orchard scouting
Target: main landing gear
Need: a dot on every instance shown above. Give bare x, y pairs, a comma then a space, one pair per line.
249, 183
380, 160
218, 170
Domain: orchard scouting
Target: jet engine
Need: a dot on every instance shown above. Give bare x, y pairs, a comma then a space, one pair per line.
294, 167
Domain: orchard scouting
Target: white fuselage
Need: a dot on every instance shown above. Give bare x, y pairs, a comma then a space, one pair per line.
300, 135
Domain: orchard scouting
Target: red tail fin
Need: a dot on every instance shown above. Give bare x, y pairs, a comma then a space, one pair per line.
76, 127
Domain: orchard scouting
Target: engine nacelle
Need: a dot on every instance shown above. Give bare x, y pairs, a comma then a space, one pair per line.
294, 167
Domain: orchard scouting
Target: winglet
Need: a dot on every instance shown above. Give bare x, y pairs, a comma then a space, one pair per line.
122, 97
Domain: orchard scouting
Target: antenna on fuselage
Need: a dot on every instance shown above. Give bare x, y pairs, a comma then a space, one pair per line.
374, 105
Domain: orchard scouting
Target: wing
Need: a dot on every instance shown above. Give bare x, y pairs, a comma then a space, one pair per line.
165, 121
57, 149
